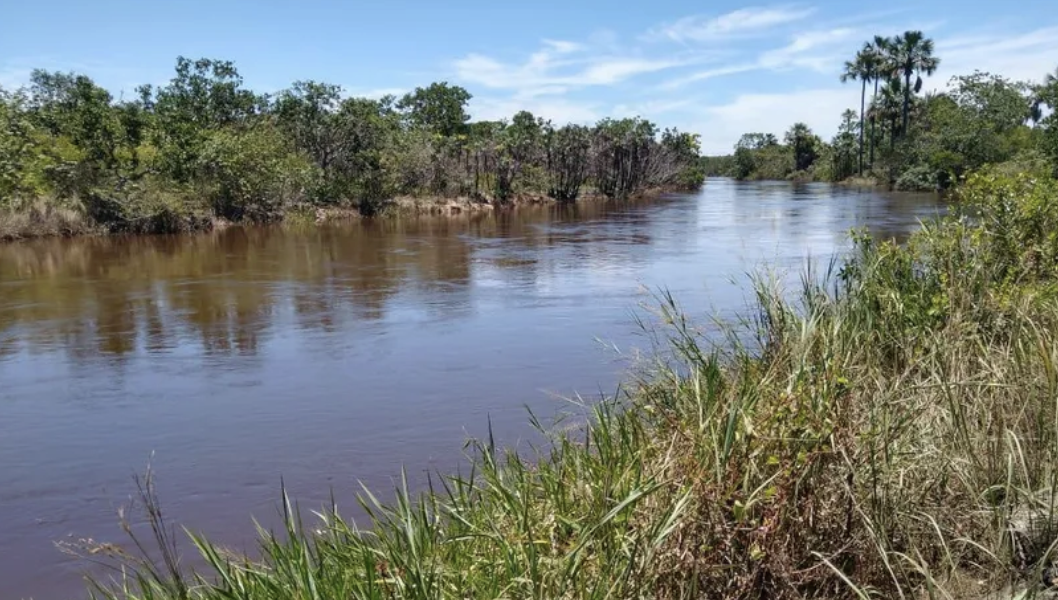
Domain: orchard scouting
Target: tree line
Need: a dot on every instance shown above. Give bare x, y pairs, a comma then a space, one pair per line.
204, 145
906, 138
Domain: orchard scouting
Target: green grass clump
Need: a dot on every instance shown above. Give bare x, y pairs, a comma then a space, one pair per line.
890, 431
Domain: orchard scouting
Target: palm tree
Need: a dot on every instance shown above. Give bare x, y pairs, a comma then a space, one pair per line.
1045, 93
910, 55
887, 107
860, 69
879, 47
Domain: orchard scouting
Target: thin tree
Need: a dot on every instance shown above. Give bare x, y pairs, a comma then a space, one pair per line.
879, 47
911, 55
863, 68
889, 107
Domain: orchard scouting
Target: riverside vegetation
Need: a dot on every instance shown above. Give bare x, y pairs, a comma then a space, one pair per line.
887, 430
203, 147
907, 140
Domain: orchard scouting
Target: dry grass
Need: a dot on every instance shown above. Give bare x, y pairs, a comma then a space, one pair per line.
43, 219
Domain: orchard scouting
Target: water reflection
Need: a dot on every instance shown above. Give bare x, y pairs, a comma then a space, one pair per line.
228, 292
336, 354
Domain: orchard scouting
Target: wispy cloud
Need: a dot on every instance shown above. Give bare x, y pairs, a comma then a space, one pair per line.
557, 67
821, 51
1024, 56
816, 50
679, 82
741, 22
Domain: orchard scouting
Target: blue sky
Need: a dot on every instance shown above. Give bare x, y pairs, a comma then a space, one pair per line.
716, 68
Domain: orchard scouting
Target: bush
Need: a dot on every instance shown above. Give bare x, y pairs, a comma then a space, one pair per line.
919, 178
253, 174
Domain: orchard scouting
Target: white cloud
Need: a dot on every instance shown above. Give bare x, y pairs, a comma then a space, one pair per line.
708, 74
1026, 56
559, 110
820, 51
556, 68
741, 22
816, 50
652, 107
721, 125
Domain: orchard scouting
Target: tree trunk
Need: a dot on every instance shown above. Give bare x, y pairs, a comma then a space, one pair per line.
907, 100
863, 100
874, 117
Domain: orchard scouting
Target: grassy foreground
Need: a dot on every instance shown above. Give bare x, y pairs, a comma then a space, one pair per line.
890, 432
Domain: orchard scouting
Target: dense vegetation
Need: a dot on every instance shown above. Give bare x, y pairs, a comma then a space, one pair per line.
204, 147
908, 140
889, 430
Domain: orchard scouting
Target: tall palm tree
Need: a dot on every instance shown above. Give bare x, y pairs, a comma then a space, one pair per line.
859, 69
879, 46
911, 54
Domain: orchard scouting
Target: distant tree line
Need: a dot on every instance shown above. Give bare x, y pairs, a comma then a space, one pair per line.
908, 139
205, 146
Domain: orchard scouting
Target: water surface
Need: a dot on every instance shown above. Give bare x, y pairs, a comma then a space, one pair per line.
329, 355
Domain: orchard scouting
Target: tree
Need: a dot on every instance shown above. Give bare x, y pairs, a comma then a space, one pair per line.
887, 108
911, 55
843, 148
568, 158
879, 46
72, 105
747, 150
204, 95
622, 152
864, 68
1046, 95
804, 145
1000, 103
440, 108
308, 114
681, 153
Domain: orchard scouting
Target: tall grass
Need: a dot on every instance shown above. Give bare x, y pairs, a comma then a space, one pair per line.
890, 430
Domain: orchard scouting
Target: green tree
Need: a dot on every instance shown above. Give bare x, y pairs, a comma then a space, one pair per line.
747, 149
204, 95
308, 113
624, 156
1044, 112
844, 148
879, 47
568, 159
682, 153
1001, 104
911, 55
72, 105
804, 145
440, 108
864, 68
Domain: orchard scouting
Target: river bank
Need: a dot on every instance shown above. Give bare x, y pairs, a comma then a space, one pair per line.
882, 431
46, 219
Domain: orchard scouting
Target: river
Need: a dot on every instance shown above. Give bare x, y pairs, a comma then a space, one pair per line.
324, 356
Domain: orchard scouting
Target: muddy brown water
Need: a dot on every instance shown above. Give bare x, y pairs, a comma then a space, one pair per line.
327, 356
